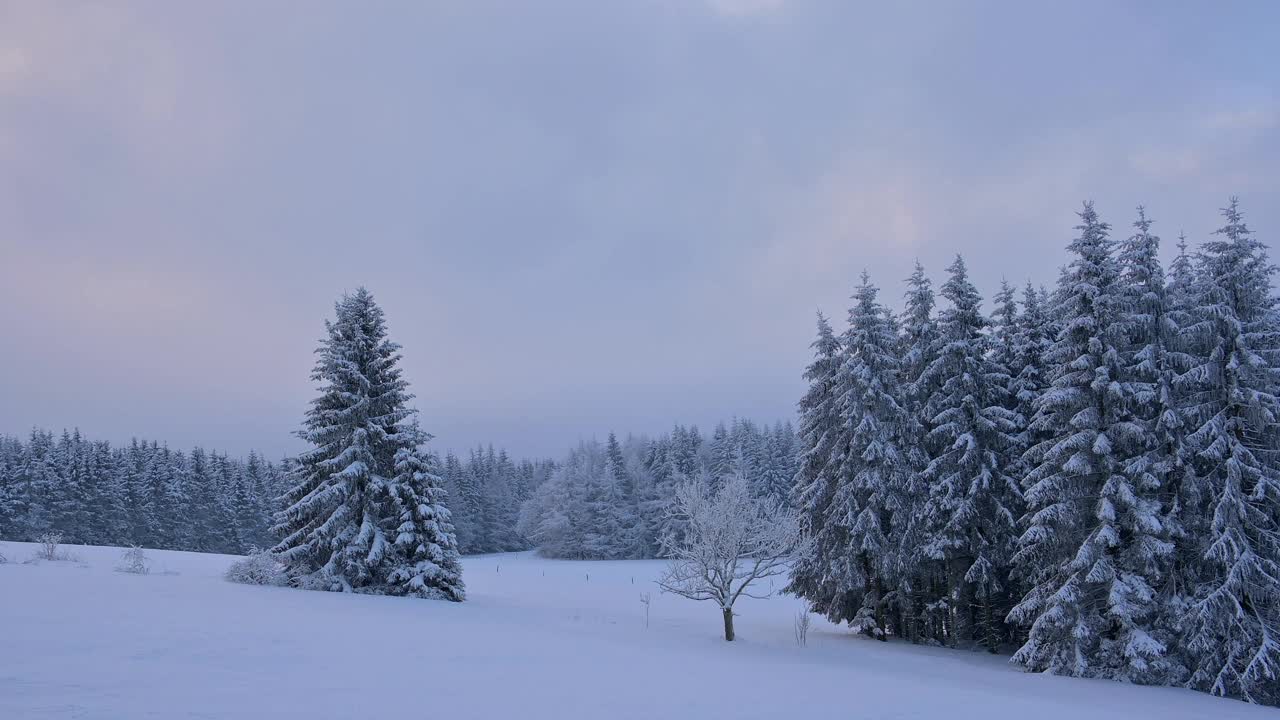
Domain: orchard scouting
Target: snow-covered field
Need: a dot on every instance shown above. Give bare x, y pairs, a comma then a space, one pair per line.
537, 639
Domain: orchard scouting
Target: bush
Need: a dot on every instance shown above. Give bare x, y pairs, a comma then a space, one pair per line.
260, 567
134, 561
49, 543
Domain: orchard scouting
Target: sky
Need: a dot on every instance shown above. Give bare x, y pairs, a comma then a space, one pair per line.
578, 216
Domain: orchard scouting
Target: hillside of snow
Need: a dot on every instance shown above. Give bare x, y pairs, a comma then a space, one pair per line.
536, 639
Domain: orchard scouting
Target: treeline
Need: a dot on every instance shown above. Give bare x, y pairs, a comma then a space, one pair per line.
1089, 476
147, 494
601, 501
612, 500
143, 494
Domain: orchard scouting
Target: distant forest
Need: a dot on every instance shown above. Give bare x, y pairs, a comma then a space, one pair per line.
602, 500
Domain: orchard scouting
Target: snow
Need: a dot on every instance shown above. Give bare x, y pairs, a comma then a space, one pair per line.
536, 639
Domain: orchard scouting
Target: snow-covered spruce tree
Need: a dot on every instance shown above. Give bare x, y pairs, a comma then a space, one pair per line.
855, 555
1092, 547
777, 464
824, 440
1234, 638
111, 515
1186, 518
627, 510
1154, 364
872, 493
723, 460
464, 501
256, 505
685, 446
971, 515
1028, 374
732, 540
68, 505
10, 511
920, 348
1034, 338
1003, 345
226, 536
365, 510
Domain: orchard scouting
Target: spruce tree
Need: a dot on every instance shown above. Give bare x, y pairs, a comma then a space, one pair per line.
869, 500
921, 345
112, 513
1186, 518
1093, 535
365, 509
850, 506
1154, 365
971, 516
723, 460
1031, 342
1234, 636
823, 438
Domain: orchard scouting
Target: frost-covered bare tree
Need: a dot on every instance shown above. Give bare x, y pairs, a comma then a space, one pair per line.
731, 540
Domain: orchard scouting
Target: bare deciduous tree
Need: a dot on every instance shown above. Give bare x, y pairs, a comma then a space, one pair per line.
730, 541
802, 628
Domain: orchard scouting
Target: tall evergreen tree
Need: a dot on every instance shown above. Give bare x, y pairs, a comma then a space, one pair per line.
1092, 545
921, 345
1154, 364
1093, 541
365, 511
824, 440
851, 572
971, 517
1031, 342
1234, 636
1186, 519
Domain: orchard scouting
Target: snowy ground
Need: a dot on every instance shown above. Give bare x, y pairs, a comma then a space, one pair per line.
537, 639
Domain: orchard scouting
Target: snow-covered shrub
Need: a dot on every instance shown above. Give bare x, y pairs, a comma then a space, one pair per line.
48, 549
259, 567
134, 560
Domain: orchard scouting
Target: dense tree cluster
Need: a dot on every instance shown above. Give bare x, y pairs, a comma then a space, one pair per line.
144, 494
614, 499
485, 493
1089, 477
204, 501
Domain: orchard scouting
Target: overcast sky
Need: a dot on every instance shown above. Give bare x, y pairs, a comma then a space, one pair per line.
577, 216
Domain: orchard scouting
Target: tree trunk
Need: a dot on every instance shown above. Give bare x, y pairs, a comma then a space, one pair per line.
728, 624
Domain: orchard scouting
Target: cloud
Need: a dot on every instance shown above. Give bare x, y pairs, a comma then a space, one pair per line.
1167, 164
566, 208
746, 8
1264, 118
